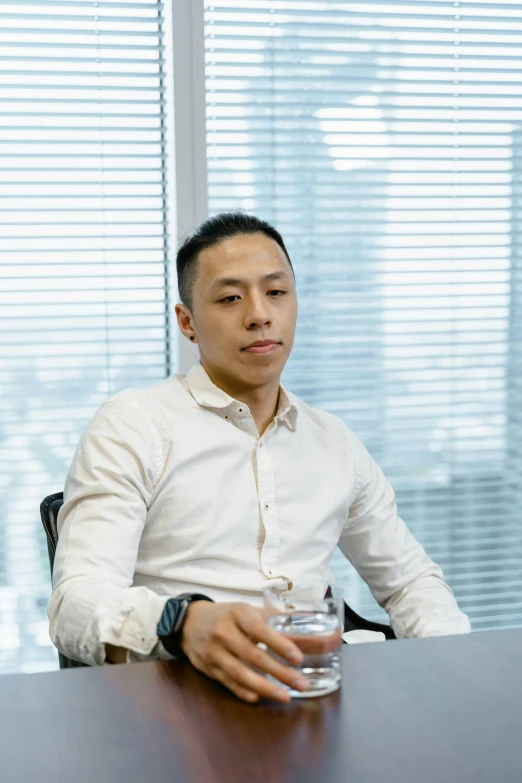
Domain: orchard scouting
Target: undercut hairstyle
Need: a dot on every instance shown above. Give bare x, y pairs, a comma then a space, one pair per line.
211, 232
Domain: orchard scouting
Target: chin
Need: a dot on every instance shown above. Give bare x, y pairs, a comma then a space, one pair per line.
264, 370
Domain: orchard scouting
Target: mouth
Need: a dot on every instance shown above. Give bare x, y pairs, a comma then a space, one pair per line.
267, 347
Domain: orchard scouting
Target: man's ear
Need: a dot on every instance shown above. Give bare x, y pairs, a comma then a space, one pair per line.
185, 321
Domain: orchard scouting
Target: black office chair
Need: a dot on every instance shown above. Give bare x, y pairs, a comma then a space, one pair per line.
49, 508
354, 622
52, 504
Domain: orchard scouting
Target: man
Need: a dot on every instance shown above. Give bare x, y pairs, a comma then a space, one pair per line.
214, 484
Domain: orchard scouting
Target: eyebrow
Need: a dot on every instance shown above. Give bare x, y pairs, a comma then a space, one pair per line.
221, 282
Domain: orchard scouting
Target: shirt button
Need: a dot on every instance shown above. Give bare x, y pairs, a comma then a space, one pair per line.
266, 505
241, 410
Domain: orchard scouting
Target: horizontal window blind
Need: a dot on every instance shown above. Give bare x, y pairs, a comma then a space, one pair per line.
383, 140
83, 303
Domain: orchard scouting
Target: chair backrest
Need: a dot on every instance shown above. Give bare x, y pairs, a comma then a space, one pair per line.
354, 622
49, 508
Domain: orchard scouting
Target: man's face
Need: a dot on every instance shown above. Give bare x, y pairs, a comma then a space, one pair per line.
244, 292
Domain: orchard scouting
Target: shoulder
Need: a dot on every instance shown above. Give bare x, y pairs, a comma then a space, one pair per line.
332, 432
138, 410
326, 424
132, 419
148, 402
155, 394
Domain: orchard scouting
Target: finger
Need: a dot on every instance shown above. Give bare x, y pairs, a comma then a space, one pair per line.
215, 672
241, 676
232, 685
243, 648
252, 623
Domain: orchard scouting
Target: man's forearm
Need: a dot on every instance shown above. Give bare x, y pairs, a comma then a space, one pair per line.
426, 607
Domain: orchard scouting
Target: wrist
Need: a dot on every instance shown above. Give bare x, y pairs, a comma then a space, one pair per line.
190, 623
172, 621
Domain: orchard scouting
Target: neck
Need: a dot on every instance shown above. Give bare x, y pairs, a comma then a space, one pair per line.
262, 400
263, 410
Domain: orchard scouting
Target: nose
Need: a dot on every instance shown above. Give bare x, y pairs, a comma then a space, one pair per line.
257, 312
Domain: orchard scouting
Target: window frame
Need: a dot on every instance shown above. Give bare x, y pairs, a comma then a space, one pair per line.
190, 137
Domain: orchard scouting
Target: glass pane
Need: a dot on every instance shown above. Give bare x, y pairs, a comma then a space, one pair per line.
384, 142
83, 300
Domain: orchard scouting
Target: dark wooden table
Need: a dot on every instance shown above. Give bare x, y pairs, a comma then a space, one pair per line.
445, 710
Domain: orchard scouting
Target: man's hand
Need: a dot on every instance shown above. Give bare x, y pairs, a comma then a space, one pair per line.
220, 640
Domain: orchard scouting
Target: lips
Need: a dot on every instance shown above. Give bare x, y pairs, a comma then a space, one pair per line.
262, 349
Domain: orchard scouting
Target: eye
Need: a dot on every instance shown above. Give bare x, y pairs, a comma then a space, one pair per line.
227, 299
277, 291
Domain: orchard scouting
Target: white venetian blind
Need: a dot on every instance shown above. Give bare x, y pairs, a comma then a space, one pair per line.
383, 140
83, 303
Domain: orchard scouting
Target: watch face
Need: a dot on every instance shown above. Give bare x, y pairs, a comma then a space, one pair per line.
182, 611
170, 617
174, 613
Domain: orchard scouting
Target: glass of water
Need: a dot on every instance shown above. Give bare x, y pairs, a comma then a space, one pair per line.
312, 616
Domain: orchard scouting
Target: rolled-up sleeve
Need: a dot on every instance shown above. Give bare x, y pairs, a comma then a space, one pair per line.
108, 490
399, 573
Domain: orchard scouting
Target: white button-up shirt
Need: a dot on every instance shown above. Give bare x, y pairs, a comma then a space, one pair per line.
172, 490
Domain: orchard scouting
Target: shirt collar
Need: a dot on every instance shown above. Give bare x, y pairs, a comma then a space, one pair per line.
208, 395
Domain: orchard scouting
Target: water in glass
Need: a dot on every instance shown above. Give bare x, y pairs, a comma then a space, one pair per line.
317, 632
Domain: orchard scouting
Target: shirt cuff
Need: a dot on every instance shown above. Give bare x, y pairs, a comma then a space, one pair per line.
158, 653
133, 625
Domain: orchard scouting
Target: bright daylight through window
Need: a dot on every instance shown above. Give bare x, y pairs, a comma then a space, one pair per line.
384, 141
83, 303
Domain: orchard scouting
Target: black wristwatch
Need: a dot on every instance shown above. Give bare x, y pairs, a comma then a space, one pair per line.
170, 626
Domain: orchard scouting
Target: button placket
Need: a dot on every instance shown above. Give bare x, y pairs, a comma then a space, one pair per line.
266, 489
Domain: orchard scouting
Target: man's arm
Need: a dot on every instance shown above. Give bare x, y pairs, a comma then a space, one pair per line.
401, 576
108, 490
95, 612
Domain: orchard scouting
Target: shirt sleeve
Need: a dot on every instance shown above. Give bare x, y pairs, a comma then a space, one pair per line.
108, 490
399, 573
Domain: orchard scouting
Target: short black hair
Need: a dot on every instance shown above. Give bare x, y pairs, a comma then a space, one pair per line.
212, 231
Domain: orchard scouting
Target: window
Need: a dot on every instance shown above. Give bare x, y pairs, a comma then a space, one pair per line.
383, 140
83, 294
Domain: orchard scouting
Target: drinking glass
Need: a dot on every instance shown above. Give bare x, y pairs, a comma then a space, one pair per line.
311, 615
